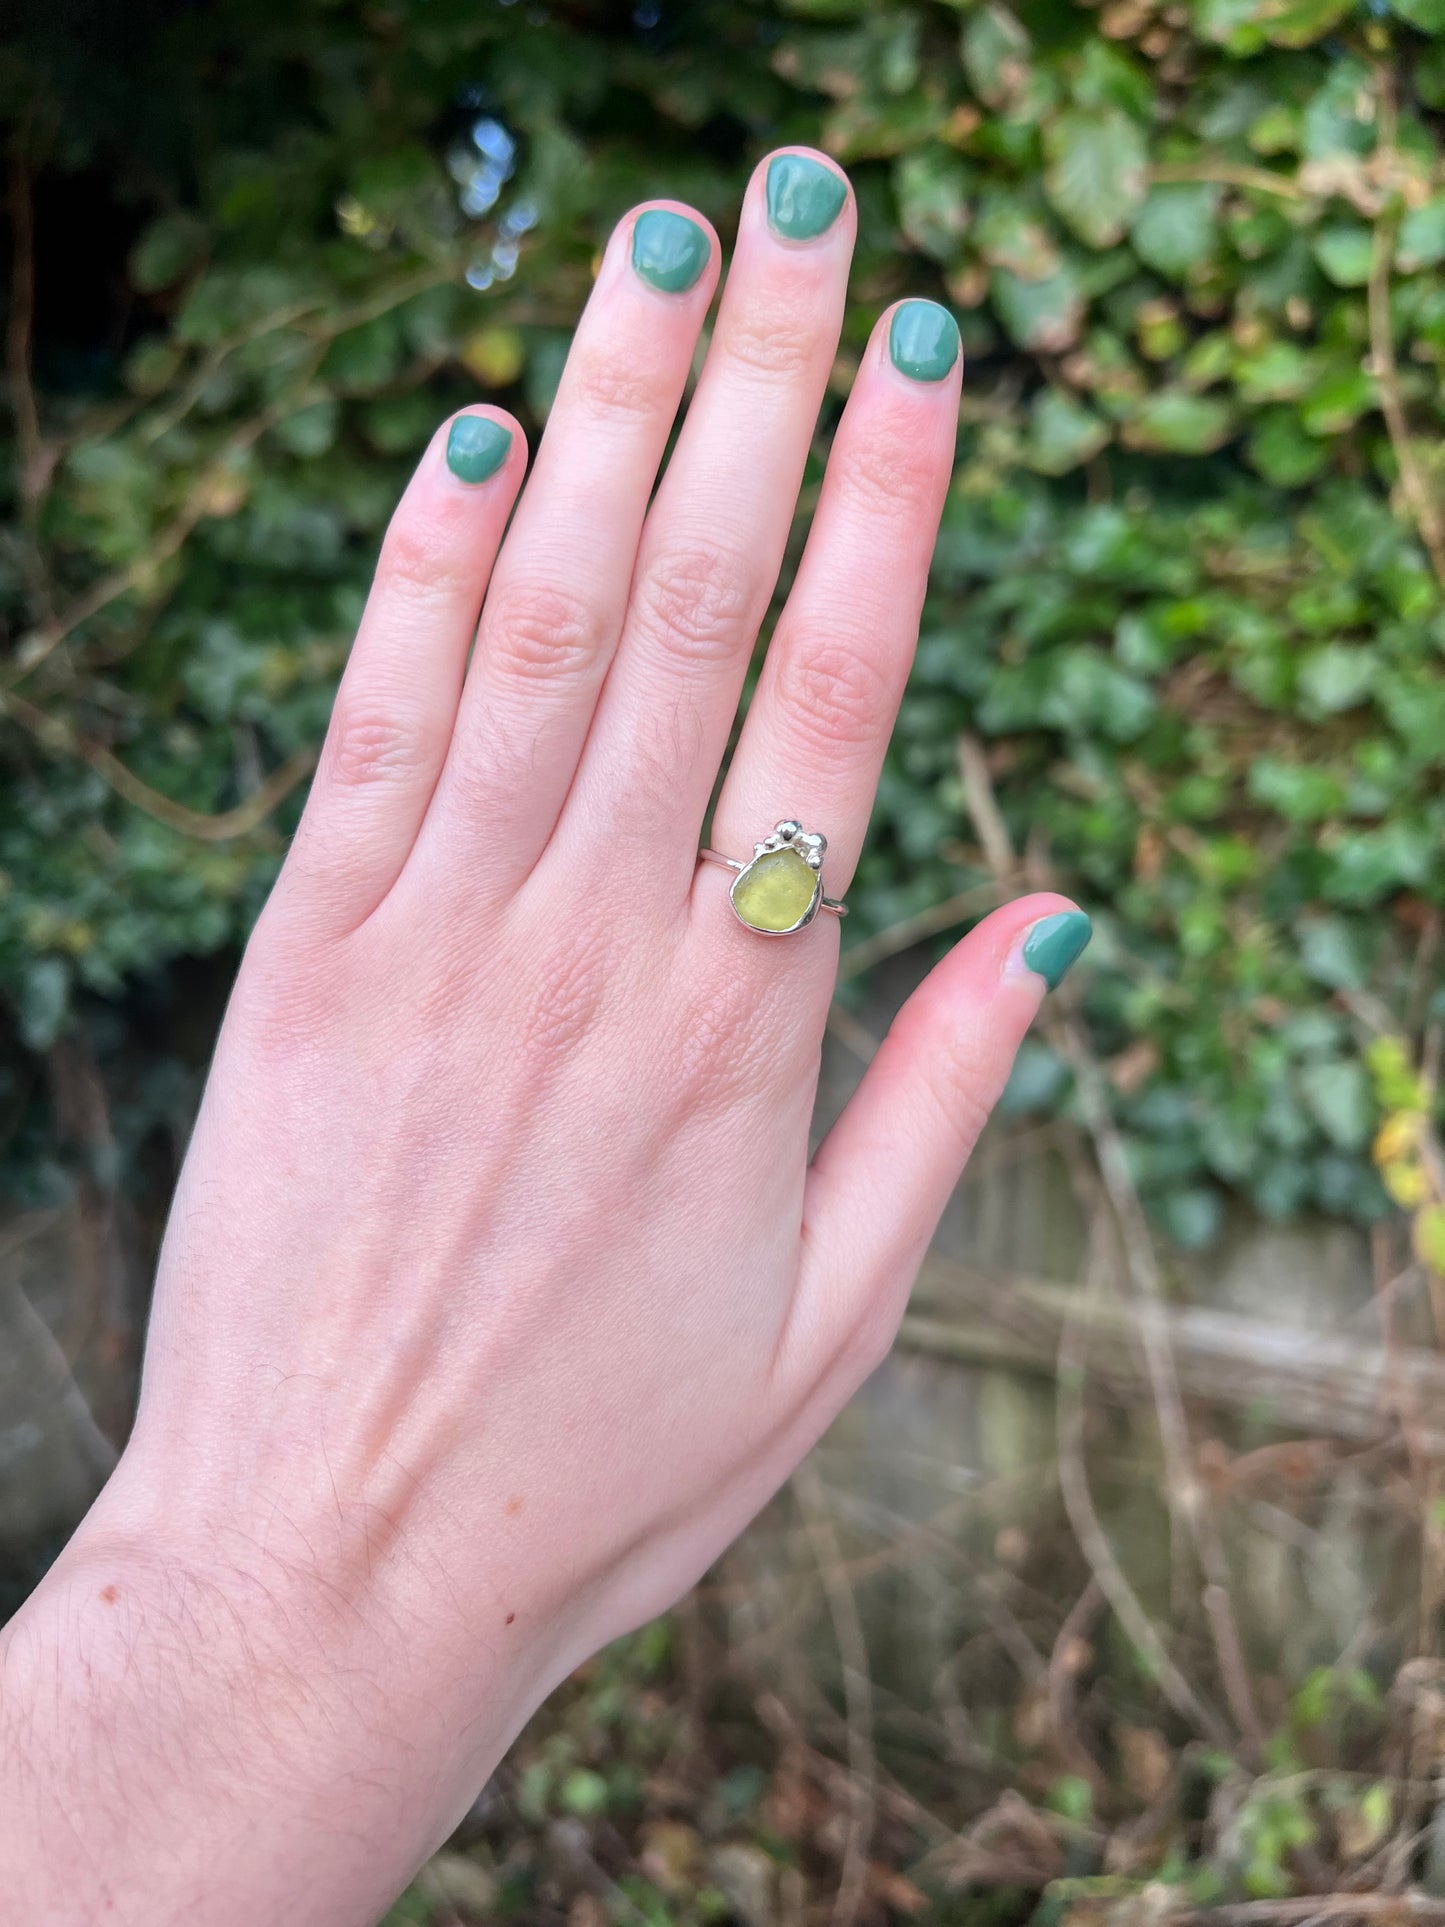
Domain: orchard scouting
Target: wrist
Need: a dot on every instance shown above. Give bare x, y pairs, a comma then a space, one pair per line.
244, 1741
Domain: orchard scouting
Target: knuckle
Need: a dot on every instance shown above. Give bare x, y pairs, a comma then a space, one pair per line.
708, 1041
565, 1001
958, 1098
606, 384
727, 1048
666, 738
285, 1008
369, 746
897, 481
836, 691
484, 764
432, 559
536, 630
771, 339
695, 603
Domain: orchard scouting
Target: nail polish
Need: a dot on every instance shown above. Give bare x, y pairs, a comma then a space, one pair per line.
477, 447
804, 197
1055, 943
923, 340
668, 250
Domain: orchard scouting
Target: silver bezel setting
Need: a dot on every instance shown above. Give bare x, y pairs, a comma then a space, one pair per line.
789, 834
808, 844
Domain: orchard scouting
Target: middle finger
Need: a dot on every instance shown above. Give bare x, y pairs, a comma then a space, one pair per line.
715, 537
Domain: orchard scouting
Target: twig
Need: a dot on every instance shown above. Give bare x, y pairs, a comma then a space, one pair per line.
59, 739
924, 923
1227, 174
1393, 1908
1424, 975
1076, 1625
23, 404
852, 1034
48, 1362
1423, 506
1103, 1564
785, 1727
857, 1694
150, 430
1187, 1499
293, 314
109, 588
987, 817
1187, 1496
1332, 1387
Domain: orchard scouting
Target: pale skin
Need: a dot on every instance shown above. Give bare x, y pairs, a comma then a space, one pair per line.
500, 1290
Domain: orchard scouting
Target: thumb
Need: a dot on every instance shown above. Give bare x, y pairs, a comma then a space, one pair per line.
884, 1173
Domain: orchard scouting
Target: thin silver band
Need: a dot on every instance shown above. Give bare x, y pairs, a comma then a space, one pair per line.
731, 863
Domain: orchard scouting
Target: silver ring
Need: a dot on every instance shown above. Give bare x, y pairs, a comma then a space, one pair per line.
780, 887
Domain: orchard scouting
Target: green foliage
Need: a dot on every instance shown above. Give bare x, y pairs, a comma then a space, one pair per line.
1181, 595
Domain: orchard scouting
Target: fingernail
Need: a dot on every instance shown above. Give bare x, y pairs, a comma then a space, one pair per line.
477, 447
1055, 943
923, 340
669, 250
804, 197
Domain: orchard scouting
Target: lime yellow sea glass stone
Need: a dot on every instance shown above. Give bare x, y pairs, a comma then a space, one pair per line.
776, 891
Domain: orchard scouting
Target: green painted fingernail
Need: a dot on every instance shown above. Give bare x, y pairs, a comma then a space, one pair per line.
669, 250
804, 197
477, 447
923, 340
1055, 943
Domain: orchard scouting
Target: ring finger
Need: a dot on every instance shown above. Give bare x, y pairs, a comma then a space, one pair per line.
813, 742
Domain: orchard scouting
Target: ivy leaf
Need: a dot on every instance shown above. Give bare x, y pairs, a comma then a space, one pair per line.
1344, 253
1181, 423
168, 249
1299, 793
1062, 433
583, 1792
1338, 401
1429, 75
1044, 315
1338, 119
1097, 173
1105, 76
1337, 677
309, 432
44, 1001
1337, 1093
1421, 240
1297, 23
933, 200
1176, 228
1228, 23
365, 358
1331, 952
877, 128
1427, 15
1282, 371
1011, 235
1283, 453
995, 50
1191, 1215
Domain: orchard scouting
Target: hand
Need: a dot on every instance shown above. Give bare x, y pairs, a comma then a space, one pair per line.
499, 1291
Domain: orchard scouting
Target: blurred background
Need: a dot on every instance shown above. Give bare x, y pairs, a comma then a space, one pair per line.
1117, 1595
